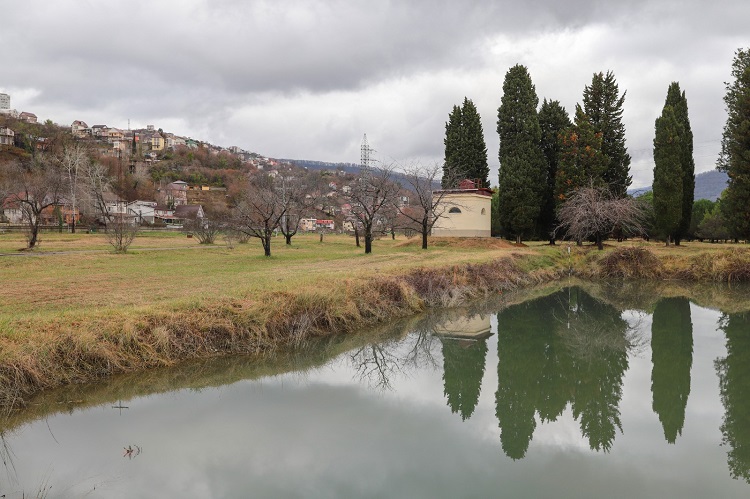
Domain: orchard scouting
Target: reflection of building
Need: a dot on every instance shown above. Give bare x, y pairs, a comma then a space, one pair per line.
465, 211
476, 327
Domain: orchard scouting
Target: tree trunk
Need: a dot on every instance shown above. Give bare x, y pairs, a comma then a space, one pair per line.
599, 244
552, 241
73, 224
33, 235
288, 239
368, 241
393, 234
424, 236
266, 239
668, 238
518, 239
356, 237
321, 237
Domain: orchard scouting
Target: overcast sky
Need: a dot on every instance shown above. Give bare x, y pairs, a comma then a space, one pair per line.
305, 79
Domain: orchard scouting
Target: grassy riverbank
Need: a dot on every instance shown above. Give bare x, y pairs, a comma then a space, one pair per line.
85, 313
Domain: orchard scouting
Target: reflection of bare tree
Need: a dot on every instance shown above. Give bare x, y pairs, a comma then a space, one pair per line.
379, 363
6, 454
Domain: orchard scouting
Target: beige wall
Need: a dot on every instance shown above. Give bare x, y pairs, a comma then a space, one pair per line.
473, 221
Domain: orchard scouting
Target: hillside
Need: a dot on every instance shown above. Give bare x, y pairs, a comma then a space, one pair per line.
708, 185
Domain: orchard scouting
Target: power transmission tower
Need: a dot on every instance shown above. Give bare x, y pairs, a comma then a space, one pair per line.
366, 152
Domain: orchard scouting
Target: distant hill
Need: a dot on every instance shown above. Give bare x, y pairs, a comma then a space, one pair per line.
708, 185
352, 168
323, 165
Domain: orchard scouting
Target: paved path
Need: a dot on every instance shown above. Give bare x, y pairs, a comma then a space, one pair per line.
80, 252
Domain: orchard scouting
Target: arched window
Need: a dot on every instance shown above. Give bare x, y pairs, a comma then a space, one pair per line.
484, 211
454, 210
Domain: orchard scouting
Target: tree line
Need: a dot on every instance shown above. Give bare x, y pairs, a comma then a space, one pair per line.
563, 178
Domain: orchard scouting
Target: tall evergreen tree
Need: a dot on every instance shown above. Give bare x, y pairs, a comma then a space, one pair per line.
735, 148
465, 149
473, 148
668, 173
676, 98
522, 165
603, 103
452, 141
581, 162
553, 121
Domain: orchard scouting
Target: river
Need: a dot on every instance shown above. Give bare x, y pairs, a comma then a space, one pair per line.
571, 392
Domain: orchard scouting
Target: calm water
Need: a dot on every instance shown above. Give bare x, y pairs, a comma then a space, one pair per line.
623, 395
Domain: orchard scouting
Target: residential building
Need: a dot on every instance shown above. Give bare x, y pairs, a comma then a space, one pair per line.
188, 212
28, 117
7, 136
156, 142
308, 224
80, 129
100, 131
465, 211
4, 103
174, 194
142, 211
324, 224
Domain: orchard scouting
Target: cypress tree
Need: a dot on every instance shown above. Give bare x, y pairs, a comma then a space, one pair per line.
553, 121
735, 148
452, 141
676, 98
522, 165
473, 148
465, 149
603, 105
668, 173
581, 161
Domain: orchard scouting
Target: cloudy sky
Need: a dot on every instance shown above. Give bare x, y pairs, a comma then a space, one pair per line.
305, 79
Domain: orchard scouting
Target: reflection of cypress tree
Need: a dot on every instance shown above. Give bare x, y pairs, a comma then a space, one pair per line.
525, 375
599, 347
567, 347
672, 356
734, 383
463, 368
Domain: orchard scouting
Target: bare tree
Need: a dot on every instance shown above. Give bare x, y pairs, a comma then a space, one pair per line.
426, 210
593, 212
204, 229
297, 196
259, 211
95, 184
33, 188
373, 191
121, 233
74, 160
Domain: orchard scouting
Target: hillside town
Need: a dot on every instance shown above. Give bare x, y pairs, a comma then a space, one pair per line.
156, 178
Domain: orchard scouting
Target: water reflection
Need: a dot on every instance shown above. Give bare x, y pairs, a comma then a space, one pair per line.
463, 369
672, 358
734, 383
295, 424
560, 349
